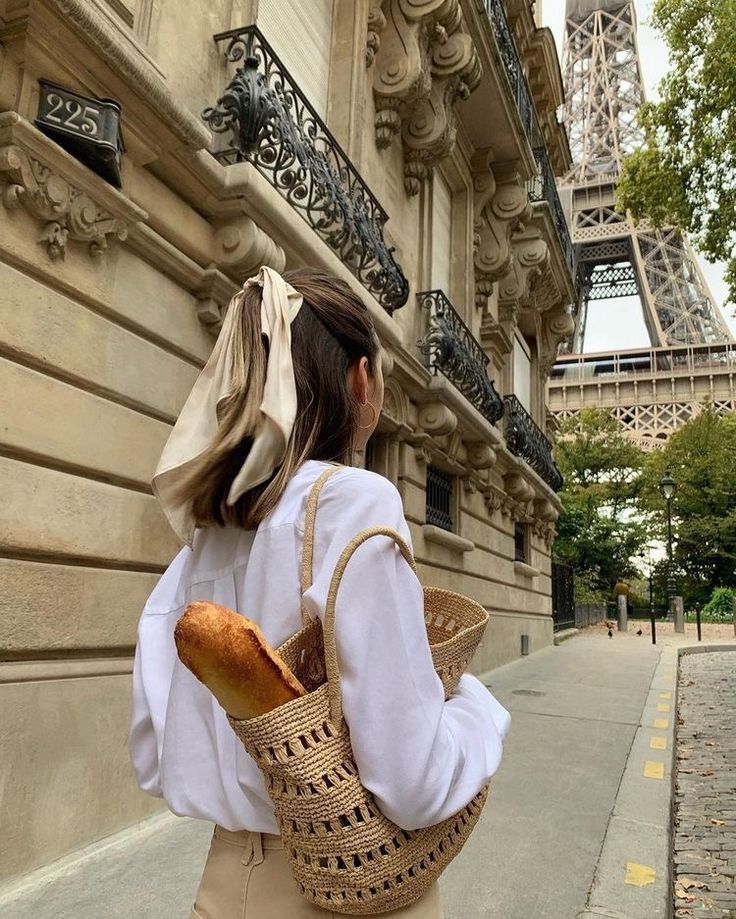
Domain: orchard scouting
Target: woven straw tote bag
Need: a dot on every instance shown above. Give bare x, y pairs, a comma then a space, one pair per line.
345, 855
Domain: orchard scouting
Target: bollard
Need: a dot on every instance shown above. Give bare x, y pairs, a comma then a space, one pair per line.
678, 608
697, 621
653, 623
623, 619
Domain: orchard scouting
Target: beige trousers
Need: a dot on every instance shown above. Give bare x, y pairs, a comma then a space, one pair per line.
247, 876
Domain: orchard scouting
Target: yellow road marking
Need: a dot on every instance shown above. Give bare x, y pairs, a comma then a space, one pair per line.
662, 723
639, 875
653, 770
658, 743
663, 707
665, 695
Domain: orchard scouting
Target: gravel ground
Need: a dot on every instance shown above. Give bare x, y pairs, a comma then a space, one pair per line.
705, 788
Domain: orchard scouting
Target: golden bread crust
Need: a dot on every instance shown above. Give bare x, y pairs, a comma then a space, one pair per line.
230, 655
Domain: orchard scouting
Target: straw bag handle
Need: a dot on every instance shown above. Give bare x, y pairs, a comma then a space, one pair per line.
328, 629
308, 547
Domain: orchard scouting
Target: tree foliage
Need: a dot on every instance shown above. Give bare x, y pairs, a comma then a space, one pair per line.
701, 457
686, 174
600, 532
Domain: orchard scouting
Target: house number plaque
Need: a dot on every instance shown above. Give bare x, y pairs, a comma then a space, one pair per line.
87, 128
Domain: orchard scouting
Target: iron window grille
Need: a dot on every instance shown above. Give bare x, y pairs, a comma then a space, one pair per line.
527, 441
521, 543
274, 127
451, 348
440, 494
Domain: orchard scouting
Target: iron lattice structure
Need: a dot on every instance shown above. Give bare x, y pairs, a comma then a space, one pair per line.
604, 92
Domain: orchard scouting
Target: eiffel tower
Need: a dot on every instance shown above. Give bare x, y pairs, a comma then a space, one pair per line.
692, 357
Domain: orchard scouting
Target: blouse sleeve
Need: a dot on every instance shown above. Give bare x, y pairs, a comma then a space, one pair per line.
423, 758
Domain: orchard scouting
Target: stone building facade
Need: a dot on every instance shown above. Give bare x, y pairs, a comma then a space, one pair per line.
407, 146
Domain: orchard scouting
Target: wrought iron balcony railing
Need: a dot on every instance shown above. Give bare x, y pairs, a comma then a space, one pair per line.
514, 71
544, 188
526, 440
275, 128
452, 349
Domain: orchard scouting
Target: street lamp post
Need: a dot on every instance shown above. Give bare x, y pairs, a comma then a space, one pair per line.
668, 487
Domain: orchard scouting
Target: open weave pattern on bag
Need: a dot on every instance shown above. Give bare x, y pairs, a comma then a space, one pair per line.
345, 855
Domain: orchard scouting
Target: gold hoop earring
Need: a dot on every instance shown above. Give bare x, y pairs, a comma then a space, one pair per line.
374, 419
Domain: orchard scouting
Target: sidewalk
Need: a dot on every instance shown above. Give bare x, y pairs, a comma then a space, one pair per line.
576, 709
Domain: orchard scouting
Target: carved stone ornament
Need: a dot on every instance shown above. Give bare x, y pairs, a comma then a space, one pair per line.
69, 201
499, 209
376, 24
241, 247
558, 325
481, 455
425, 61
437, 419
530, 259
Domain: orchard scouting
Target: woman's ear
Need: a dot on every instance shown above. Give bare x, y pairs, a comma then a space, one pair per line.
358, 380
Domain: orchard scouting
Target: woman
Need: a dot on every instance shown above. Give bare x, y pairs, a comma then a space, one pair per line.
294, 384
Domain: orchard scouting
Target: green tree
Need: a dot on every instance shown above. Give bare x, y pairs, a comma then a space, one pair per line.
600, 532
686, 174
701, 457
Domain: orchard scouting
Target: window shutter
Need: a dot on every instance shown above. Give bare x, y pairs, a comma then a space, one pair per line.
441, 234
301, 34
522, 375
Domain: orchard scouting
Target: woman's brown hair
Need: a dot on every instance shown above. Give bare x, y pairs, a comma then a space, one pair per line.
332, 330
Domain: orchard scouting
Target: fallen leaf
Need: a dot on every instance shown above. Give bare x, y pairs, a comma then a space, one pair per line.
710, 743
717, 822
687, 883
707, 772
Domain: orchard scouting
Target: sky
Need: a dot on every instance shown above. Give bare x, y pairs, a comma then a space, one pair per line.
624, 328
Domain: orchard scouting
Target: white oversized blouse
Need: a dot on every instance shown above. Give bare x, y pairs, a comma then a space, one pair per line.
422, 757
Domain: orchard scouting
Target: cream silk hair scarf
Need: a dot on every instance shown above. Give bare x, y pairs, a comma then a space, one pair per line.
197, 424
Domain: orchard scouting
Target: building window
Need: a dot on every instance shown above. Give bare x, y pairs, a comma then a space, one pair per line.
441, 234
521, 542
301, 35
440, 493
523, 373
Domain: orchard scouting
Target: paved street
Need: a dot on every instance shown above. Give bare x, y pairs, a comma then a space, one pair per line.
705, 797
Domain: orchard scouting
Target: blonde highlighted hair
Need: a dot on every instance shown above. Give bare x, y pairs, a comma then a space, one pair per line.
332, 331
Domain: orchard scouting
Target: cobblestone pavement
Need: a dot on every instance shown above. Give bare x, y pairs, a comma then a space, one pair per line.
705, 789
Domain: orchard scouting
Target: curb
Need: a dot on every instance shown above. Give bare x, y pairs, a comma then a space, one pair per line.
559, 637
632, 877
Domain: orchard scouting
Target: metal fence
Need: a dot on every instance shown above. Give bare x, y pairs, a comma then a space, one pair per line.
591, 613
563, 596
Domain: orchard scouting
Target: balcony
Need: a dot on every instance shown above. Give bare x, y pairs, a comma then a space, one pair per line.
542, 189
451, 349
526, 440
513, 69
274, 127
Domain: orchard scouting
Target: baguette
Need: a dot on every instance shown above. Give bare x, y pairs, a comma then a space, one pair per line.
229, 654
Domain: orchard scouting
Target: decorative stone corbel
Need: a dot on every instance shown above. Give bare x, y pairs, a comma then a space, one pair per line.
240, 247
517, 487
558, 325
530, 257
424, 62
480, 455
71, 202
499, 208
213, 295
437, 419
376, 24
